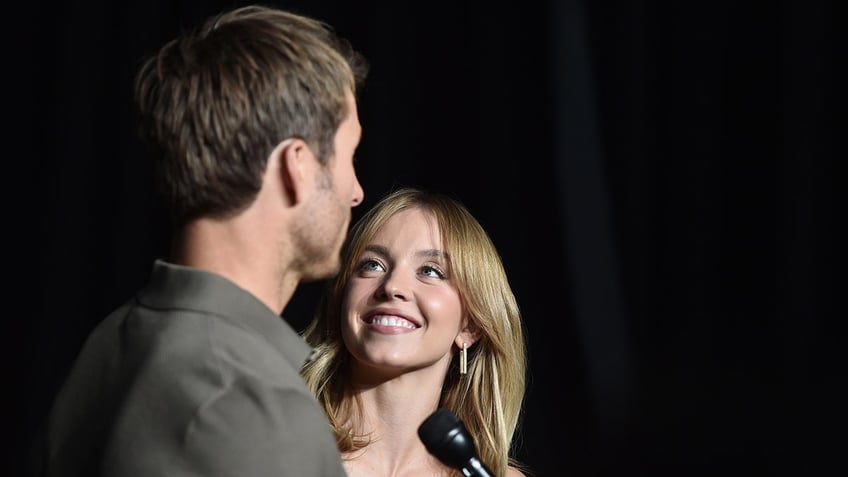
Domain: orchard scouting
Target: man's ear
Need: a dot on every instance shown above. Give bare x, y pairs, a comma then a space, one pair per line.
293, 162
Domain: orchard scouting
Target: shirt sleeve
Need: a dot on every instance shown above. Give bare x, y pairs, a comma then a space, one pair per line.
256, 430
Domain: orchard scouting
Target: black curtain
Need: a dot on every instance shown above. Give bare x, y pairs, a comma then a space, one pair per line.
658, 177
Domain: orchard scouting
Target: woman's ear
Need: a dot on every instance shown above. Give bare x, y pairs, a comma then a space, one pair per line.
468, 335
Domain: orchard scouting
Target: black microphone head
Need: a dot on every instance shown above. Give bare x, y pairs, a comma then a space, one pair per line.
445, 436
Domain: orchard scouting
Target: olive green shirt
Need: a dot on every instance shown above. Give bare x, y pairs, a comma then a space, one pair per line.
194, 376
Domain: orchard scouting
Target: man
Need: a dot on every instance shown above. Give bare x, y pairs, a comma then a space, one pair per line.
253, 123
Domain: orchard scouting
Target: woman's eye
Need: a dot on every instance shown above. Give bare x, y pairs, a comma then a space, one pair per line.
370, 265
432, 272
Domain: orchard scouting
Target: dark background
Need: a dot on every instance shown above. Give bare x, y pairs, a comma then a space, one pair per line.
658, 177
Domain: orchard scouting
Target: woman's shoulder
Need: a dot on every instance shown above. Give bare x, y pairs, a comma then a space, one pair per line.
514, 472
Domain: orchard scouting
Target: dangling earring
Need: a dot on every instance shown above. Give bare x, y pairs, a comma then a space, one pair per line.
463, 359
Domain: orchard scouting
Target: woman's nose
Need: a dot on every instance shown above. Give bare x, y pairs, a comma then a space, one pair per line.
394, 286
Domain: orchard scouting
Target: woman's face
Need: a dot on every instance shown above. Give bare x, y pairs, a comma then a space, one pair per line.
401, 311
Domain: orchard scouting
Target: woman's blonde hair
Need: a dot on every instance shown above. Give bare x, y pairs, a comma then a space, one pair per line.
489, 398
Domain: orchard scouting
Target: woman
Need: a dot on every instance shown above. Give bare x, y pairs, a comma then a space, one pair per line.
420, 316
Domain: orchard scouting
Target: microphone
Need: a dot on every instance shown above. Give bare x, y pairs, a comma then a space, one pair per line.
445, 436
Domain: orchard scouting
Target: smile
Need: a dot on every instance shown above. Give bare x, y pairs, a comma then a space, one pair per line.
391, 321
